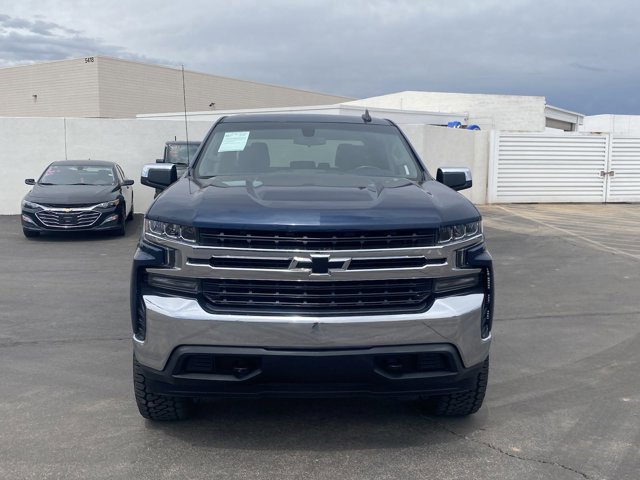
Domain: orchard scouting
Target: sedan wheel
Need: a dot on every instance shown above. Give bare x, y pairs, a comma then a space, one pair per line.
121, 230
130, 216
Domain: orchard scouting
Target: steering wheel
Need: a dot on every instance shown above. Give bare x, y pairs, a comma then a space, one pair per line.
363, 169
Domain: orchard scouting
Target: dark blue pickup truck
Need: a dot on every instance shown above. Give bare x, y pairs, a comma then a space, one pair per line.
309, 255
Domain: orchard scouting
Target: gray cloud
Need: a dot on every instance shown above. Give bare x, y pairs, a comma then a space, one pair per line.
23, 40
580, 57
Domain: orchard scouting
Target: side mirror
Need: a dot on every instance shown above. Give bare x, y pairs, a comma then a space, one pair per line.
127, 183
30, 181
458, 178
159, 160
158, 176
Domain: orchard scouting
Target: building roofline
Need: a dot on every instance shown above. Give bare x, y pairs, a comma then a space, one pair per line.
344, 106
563, 115
398, 116
467, 94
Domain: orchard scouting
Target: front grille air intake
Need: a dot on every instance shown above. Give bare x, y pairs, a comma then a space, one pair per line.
269, 240
317, 298
67, 220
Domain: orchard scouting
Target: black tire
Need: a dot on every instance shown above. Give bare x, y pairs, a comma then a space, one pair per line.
30, 233
130, 216
122, 228
158, 407
462, 403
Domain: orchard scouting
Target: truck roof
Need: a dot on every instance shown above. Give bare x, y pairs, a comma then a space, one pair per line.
97, 163
300, 117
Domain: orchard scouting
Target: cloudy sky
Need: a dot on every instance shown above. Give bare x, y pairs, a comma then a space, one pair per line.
581, 55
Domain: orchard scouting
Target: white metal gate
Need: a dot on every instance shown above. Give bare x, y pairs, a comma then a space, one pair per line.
567, 167
623, 180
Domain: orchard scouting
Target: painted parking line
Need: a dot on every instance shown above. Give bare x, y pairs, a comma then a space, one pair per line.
610, 228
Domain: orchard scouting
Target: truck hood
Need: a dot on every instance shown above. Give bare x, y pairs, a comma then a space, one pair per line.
307, 202
71, 194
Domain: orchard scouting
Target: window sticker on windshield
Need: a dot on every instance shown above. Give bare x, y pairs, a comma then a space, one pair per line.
234, 142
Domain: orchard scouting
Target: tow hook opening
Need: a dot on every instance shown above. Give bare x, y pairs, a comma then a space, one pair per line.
403, 364
229, 365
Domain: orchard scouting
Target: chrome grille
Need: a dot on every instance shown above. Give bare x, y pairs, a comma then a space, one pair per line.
318, 298
66, 205
73, 219
289, 263
270, 240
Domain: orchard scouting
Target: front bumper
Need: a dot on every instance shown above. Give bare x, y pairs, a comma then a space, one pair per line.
415, 370
306, 354
108, 219
172, 322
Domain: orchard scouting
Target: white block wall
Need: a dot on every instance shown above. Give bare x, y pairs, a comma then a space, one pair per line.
452, 147
30, 144
619, 124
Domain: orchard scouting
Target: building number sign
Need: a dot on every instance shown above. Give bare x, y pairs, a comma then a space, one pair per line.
89, 59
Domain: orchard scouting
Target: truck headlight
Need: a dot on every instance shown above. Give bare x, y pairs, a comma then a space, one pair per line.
171, 231
449, 284
186, 285
462, 231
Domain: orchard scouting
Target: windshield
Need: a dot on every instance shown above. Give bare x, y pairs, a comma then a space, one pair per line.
181, 154
78, 175
309, 148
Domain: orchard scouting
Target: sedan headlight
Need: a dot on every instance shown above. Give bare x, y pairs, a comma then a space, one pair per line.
112, 203
171, 231
28, 204
462, 231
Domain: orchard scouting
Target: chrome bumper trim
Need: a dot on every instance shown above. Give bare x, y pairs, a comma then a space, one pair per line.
172, 322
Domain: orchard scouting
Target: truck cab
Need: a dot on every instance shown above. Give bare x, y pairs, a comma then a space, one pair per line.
180, 154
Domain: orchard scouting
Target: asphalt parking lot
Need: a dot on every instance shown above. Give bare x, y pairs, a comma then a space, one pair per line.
563, 399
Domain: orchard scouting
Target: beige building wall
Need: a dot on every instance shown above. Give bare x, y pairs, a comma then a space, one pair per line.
66, 88
130, 88
113, 88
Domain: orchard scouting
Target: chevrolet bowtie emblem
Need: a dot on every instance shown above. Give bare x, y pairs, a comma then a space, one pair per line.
320, 264
67, 210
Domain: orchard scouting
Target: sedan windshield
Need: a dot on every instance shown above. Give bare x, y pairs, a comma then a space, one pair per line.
78, 175
309, 148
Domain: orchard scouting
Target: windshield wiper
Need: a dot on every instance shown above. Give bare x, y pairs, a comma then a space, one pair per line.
46, 183
80, 183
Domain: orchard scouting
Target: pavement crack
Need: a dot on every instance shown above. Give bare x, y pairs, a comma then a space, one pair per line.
567, 315
62, 341
506, 453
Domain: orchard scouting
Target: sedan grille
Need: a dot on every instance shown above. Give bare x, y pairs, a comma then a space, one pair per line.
68, 220
244, 239
66, 205
317, 298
